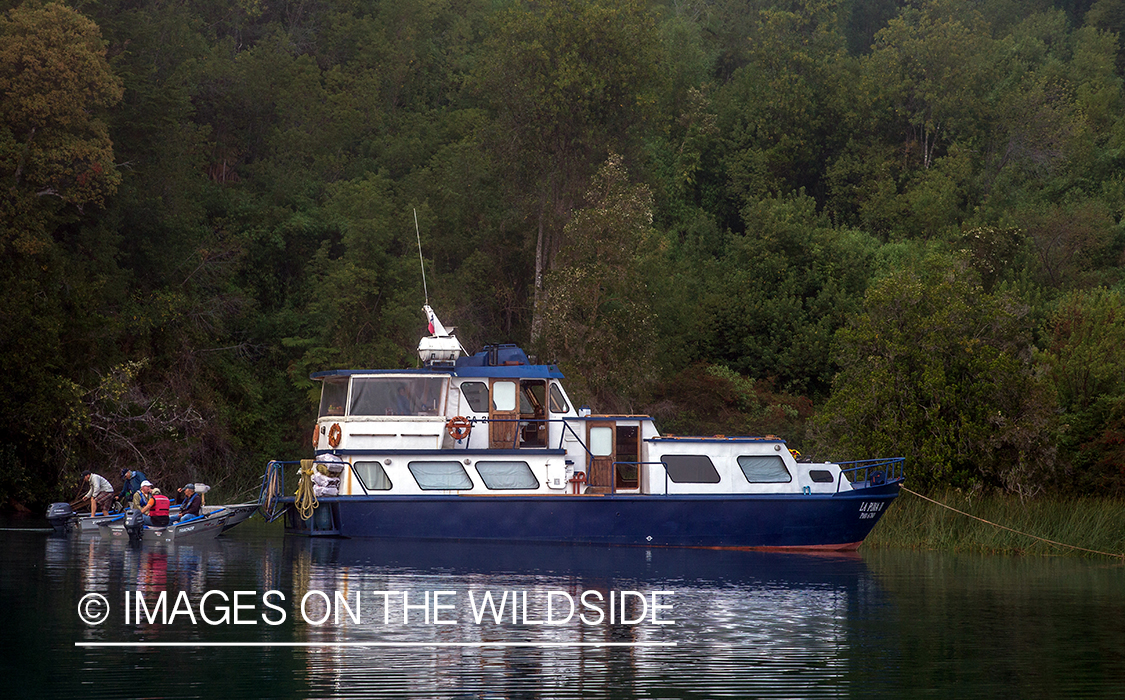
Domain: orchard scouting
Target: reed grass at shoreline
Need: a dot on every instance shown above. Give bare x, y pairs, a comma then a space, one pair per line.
1096, 524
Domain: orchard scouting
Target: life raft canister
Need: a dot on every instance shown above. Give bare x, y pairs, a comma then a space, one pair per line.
160, 505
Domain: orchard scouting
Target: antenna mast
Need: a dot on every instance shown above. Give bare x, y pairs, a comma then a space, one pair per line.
423, 264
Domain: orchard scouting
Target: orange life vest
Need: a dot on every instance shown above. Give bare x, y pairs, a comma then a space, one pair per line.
160, 505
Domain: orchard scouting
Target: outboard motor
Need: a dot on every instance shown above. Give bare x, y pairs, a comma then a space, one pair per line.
62, 517
134, 524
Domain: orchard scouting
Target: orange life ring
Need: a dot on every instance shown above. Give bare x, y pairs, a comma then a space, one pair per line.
459, 428
334, 435
316, 436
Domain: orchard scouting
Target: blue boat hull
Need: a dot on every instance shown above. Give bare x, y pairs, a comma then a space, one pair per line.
839, 521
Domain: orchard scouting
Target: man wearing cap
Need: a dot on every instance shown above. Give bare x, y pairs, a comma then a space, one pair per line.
191, 503
132, 484
100, 493
143, 495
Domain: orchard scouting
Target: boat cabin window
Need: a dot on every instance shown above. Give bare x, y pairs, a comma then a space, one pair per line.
333, 396
821, 476
372, 476
764, 469
503, 396
396, 396
601, 442
476, 394
507, 475
440, 476
691, 469
558, 401
533, 413
531, 398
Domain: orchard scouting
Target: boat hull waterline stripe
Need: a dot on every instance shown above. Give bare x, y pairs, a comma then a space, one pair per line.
311, 645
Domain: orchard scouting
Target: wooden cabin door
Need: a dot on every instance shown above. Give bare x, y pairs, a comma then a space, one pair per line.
601, 442
504, 414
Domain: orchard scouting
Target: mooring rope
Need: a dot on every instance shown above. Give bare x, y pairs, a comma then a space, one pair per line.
306, 500
1004, 527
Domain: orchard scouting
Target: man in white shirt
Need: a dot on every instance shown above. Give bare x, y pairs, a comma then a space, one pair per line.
100, 493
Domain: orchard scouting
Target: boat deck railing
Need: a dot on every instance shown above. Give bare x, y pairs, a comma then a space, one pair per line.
871, 472
526, 422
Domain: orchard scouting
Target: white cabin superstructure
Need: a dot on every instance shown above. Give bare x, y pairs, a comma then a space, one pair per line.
496, 425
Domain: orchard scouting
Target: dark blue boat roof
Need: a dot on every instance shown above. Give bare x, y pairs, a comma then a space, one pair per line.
507, 361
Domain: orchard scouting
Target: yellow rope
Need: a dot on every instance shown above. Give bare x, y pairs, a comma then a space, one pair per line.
306, 501
271, 490
1004, 527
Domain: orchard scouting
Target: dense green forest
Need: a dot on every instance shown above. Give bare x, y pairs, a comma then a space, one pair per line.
878, 227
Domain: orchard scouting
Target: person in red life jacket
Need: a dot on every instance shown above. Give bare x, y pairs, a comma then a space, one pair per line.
156, 510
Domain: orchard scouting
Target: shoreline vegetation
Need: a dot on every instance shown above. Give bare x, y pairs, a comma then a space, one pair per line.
1091, 526
874, 229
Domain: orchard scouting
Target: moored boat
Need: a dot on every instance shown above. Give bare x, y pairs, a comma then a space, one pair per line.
203, 527
490, 447
236, 513
64, 519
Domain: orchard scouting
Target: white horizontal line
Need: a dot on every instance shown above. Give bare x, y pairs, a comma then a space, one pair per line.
374, 644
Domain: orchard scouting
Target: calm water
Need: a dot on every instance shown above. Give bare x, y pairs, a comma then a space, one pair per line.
738, 624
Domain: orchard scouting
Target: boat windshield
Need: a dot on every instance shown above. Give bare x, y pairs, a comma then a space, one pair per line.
396, 396
333, 396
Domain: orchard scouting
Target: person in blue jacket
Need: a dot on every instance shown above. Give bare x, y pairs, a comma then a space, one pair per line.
132, 484
190, 504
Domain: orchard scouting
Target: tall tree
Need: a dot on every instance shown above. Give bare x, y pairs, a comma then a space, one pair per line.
598, 310
56, 166
1085, 360
941, 373
54, 79
567, 81
781, 114
779, 292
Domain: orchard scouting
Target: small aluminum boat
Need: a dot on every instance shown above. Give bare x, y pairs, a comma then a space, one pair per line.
237, 512
203, 527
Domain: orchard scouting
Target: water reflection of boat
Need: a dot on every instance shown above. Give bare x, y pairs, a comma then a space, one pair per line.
746, 623
591, 561
490, 447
